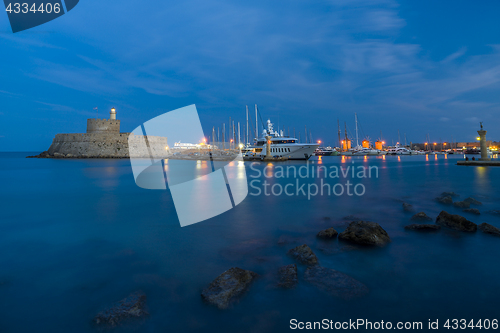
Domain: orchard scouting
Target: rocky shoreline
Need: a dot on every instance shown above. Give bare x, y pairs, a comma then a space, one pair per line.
227, 289
185, 157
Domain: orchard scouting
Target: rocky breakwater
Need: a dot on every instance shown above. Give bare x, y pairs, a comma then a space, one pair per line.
106, 145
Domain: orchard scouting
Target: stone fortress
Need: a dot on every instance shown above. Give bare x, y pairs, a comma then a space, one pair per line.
104, 140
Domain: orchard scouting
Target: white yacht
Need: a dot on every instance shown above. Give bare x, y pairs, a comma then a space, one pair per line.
368, 152
397, 150
281, 146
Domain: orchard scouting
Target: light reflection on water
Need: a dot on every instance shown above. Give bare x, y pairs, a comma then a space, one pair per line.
88, 236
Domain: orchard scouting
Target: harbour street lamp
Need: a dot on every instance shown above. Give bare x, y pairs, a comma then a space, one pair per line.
425, 147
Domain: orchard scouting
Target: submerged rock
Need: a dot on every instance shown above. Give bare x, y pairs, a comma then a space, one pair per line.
450, 194
367, 233
287, 276
489, 229
335, 283
421, 217
132, 306
461, 204
327, 233
423, 227
473, 201
455, 222
407, 207
304, 255
227, 286
472, 211
447, 200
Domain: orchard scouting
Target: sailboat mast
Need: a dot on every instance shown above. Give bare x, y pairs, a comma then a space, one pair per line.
223, 135
345, 133
247, 126
256, 124
357, 140
338, 125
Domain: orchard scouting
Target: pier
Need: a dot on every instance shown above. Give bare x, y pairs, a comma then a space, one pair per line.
479, 163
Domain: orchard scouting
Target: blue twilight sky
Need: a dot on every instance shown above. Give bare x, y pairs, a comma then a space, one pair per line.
417, 66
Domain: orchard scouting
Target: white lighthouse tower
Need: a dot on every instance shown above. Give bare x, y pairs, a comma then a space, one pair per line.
112, 114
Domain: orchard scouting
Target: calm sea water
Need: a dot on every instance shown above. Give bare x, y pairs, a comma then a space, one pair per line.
78, 235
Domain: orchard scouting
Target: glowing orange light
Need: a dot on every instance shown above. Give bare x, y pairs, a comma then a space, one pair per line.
435, 143
319, 141
269, 142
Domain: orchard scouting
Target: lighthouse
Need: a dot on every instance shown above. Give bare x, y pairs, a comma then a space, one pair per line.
112, 114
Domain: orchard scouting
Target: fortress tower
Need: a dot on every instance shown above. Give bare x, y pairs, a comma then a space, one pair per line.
104, 140
111, 125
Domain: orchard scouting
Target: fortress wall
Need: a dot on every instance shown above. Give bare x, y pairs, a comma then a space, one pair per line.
103, 126
107, 145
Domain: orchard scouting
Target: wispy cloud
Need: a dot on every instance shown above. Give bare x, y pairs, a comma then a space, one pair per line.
336, 56
454, 56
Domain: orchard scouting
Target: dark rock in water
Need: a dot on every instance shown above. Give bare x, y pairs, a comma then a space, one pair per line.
227, 286
472, 211
445, 200
328, 233
335, 283
132, 306
461, 204
368, 233
423, 227
455, 222
450, 194
287, 276
421, 217
304, 255
473, 201
489, 229
407, 207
